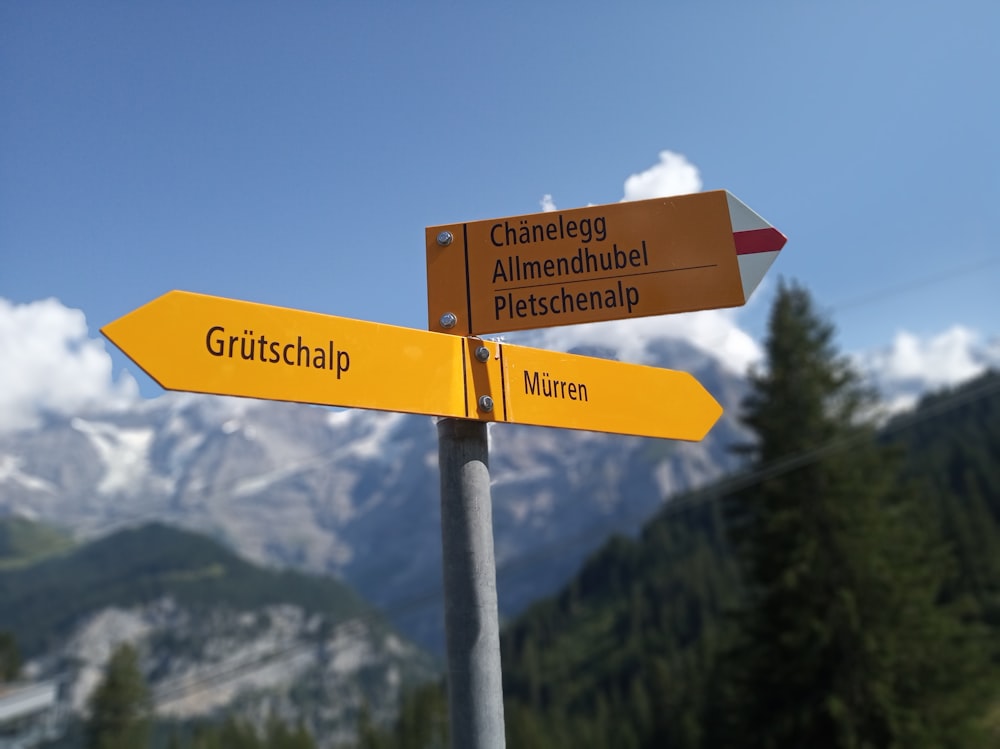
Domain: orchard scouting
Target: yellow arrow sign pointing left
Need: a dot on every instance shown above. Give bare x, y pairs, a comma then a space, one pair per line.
207, 344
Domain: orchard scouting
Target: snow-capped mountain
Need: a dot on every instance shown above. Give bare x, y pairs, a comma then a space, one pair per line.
355, 493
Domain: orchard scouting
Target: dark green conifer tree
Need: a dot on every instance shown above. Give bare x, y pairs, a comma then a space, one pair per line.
423, 719
236, 734
120, 706
10, 658
281, 736
371, 736
841, 643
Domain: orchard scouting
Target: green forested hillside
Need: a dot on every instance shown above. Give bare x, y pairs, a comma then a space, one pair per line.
643, 648
953, 457
628, 643
23, 541
628, 651
39, 603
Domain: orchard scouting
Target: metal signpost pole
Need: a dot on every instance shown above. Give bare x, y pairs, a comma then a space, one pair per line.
472, 625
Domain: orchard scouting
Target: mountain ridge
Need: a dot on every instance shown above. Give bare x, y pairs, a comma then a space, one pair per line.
355, 493
214, 632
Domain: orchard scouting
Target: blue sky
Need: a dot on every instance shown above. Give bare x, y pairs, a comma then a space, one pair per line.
293, 153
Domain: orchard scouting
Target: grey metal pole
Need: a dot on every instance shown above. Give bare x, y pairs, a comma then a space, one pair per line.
472, 624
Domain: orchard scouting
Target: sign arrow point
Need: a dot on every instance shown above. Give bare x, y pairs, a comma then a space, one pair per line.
757, 243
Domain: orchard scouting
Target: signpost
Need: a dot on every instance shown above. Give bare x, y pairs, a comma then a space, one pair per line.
207, 344
591, 264
606, 262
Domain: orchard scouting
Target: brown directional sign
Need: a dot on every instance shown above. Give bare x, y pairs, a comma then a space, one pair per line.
607, 262
207, 344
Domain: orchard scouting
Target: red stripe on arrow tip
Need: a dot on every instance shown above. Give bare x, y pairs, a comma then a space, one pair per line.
759, 240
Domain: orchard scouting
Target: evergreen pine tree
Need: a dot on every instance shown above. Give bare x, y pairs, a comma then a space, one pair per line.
281, 736
370, 736
235, 733
10, 657
120, 706
423, 719
840, 642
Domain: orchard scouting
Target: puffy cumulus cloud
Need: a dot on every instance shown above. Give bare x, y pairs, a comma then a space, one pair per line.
673, 174
902, 372
50, 364
939, 361
910, 366
713, 331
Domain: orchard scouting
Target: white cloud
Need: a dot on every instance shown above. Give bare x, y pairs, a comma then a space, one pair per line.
911, 366
940, 361
902, 372
50, 364
673, 174
713, 331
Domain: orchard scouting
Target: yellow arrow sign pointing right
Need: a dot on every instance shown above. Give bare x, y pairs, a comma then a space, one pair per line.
549, 388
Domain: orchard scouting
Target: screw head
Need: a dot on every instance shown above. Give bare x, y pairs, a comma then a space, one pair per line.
485, 403
445, 238
448, 320
483, 354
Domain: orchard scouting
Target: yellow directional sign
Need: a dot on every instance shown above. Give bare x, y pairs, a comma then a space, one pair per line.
606, 262
548, 388
207, 344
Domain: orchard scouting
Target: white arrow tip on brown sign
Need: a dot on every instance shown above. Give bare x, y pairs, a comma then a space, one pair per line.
757, 243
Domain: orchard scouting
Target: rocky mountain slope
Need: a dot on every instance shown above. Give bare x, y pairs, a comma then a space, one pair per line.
213, 631
355, 493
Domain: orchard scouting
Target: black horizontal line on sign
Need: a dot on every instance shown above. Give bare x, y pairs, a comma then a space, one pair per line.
603, 278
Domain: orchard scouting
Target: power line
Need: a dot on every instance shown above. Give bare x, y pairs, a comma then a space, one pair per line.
742, 481
708, 494
187, 688
697, 498
907, 286
319, 459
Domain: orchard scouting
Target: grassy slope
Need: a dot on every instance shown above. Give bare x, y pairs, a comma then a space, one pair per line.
23, 542
39, 603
